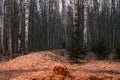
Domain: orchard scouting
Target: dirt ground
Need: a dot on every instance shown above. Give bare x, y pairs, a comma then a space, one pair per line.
39, 66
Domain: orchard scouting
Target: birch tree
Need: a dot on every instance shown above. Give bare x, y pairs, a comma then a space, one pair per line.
85, 22
26, 24
76, 38
75, 27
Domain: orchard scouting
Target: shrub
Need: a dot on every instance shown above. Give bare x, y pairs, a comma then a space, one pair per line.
118, 51
78, 52
100, 49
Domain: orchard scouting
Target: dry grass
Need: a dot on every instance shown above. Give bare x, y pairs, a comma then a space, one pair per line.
39, 66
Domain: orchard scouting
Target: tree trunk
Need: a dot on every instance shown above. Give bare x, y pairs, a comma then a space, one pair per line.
64, 19
85, 22
26, 25
9, 26
1, 27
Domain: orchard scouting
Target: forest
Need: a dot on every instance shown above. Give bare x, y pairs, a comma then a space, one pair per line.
79, 29
79, 26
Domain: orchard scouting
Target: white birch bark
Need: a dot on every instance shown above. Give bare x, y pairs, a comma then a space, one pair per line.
85, 22
74, 2
26, 24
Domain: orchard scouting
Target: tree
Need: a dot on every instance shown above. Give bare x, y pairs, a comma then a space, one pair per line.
95, 19
9, 26
21, 35
26, 24
74, 51
64, 19
15, 25
113, 26
1, 27
85, 22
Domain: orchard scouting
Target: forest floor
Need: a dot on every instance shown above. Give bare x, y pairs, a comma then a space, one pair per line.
39, 66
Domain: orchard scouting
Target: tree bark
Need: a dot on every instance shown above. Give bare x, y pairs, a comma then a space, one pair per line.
26, 25
64, 19
85, 22
9, 26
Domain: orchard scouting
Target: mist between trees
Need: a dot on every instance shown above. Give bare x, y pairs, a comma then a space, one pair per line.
80, 26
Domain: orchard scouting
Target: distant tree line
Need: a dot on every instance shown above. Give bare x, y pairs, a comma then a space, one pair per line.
80, 26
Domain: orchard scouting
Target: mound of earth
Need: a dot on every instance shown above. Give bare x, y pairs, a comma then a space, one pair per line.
39, 66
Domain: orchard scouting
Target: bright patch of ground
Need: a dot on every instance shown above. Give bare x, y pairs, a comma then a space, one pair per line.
39, 66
